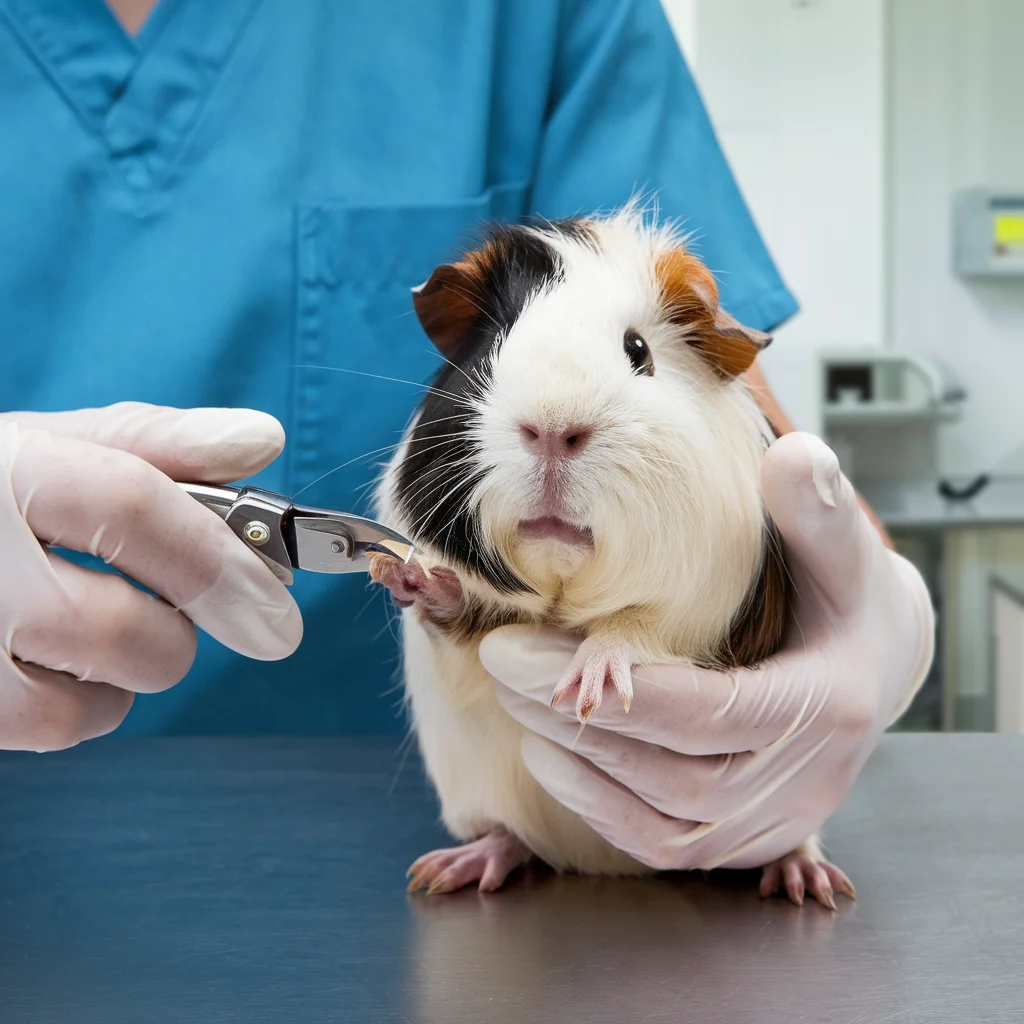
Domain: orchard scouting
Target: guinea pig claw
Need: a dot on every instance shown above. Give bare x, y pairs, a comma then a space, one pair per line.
825, 896
840, 881
440, 885
419, 874
591, 673
562, 691
625, 696
589, 699
620, 675
806, 872
487, 861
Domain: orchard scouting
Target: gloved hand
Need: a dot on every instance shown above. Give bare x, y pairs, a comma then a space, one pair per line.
77, 644
736, 769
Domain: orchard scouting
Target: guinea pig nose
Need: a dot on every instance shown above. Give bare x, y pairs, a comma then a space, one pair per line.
554, 444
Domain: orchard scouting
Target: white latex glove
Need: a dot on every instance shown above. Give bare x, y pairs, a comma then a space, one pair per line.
736, 769
77, 644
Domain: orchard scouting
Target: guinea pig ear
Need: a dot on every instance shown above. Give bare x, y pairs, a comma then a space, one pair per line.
446, 306
729, 332
690, 298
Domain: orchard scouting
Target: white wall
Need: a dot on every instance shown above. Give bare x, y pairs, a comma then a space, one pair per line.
682, 14
849, 124
796, 91
957, 120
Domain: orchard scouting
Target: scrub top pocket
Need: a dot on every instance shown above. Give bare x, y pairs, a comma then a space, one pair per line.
355, 325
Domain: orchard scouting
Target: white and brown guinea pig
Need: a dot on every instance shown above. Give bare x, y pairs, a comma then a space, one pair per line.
588, 457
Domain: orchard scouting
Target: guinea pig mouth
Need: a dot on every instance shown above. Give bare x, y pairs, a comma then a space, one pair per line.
553, 528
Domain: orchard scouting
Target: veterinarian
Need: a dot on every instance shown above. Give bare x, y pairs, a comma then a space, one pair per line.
222, 206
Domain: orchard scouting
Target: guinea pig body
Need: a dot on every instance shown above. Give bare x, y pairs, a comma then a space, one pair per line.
589, 458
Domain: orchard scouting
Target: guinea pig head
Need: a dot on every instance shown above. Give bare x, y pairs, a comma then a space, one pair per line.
588, 424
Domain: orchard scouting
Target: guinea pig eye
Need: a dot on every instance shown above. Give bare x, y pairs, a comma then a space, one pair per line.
638, 353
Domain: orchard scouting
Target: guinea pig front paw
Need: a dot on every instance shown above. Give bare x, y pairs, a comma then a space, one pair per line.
435, 593
806, 870
598, 662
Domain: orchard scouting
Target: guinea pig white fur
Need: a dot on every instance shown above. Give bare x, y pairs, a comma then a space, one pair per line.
588, 457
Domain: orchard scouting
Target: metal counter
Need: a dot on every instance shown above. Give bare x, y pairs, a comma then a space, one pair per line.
918, 505
201, 880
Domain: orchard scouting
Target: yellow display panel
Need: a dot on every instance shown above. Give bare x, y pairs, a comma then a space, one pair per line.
1009, 229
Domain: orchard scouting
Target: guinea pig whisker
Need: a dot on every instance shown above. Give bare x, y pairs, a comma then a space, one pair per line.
380, 376
405, 748
691, 470
436, 466
375, 451
439, 419
455, 366
670, 462
445, 497
439, 441
384, 465
432, 478
439, 438
389, 626
434, 437
365, 455
364, 487
435, 480
461, 510
426, 490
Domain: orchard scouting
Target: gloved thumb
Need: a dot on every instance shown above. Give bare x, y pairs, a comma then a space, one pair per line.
197, 445
829, 541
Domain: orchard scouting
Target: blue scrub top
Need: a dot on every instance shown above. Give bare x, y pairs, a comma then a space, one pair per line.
215, 211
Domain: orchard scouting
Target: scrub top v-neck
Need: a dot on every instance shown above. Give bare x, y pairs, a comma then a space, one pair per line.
137, 96
231, 207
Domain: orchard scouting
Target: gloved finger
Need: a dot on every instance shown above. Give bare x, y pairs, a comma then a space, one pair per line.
917, 648
45, 710
191, 445
91, 498
98, 627
685, 709
682, 786
619, 816
829, 541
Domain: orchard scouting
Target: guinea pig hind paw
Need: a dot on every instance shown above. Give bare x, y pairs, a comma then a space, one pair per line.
487, 861
798, 873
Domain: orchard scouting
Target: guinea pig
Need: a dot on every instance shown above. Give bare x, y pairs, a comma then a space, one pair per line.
588, 457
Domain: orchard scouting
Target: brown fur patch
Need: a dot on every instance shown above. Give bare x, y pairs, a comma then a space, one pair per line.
489, 285
758, 627
449, 302
690, 298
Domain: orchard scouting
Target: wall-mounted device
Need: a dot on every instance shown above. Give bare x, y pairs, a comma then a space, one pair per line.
881, 410
873, 386
988, 233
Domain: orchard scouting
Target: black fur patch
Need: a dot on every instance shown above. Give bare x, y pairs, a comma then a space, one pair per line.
578, 230
759, 625
440, 470
478, 618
